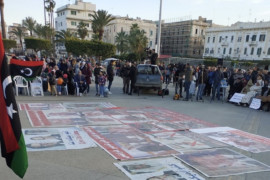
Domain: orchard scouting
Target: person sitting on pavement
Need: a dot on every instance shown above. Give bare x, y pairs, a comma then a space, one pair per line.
256, 89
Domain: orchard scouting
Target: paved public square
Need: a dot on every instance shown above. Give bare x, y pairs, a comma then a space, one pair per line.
95, 163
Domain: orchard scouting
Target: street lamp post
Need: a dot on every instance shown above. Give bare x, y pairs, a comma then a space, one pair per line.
159, 28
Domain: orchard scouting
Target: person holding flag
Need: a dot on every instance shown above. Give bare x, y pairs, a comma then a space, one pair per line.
12, 141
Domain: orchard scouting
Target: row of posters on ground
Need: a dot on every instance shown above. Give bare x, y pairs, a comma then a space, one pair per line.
210, 162
137, 135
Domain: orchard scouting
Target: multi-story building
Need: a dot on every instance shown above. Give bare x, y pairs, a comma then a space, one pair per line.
184, 38
70, 15
15, 38
123, 24
241, 41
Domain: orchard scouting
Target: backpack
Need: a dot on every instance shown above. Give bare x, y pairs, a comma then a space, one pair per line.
176, 97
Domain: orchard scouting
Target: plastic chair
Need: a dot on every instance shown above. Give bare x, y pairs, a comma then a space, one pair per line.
20, 82
36, 87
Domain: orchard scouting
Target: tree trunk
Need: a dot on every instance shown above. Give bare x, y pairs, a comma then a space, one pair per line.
21, 43
100, 35
3, 19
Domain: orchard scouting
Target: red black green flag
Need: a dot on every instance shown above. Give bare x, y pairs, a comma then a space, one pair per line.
12, 141
27, 69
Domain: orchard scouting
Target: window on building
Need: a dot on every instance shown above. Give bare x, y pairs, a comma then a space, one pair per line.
268, 52
199, 52
89, 14
208, 39
64, 13
73, 23
259, 51
220, 38
237, 51
224, 51
252, 51
254, 38
262, 37
58, 14
247, 38
206, 50
87, 24
196, 31
212, 51
151, 43
218, 50
73, 12
232, 39
202, 32
214, 38
151, 33
239, 39
61, 23
230, 51
245, 51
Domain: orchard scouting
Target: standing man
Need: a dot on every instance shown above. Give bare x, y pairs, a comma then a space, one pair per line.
132, 76
153, 57
110, 75
188, 79
217, 77
96, 74
124, 73
202, 79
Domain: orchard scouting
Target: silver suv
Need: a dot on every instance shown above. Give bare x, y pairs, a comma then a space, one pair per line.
148, 76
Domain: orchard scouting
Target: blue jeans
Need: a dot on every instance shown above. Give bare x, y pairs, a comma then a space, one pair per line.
187, 86
200, 91
216, 92
59, 88
101, 90
109, 86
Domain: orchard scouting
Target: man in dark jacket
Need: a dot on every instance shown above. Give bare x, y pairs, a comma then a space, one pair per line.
188, 78
217, 77
201, 81
110, 75
96, 74
124, 73
132, 76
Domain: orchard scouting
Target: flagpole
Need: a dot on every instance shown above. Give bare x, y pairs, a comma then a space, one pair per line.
159, 29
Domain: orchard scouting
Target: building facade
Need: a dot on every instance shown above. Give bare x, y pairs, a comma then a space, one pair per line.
11, 36
123, 24
184, 38
241, 41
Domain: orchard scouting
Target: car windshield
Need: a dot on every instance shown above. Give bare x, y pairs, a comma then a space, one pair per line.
147, 70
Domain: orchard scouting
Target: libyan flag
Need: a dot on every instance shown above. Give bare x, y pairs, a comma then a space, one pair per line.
12, 141
27, 69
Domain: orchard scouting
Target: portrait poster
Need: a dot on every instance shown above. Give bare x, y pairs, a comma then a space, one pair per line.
255, 103
237, 97
237, 138
221, 162
56, 118
41, 106
183, 141
56, 139
87, 105
160, 168
124, 142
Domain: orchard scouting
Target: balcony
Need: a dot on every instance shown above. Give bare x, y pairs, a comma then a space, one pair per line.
253, 43
224, 44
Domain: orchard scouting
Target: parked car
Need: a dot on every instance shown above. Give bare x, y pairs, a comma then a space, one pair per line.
148, 76
106, 62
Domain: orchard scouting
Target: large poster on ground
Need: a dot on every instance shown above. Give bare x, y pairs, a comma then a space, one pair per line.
41, 106
221, 162
124, 142
52, 118
161, 168
185, 141
87, 105
237, 138
56, 139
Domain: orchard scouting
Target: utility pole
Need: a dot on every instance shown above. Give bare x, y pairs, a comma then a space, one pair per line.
159, 29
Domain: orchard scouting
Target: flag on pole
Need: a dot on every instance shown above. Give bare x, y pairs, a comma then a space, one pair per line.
12, 141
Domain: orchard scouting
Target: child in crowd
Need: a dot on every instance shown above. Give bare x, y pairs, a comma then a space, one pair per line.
101, 82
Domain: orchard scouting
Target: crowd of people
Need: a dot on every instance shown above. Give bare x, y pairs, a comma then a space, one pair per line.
195, 81
207, 81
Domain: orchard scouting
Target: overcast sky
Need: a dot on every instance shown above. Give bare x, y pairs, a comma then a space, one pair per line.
224, 12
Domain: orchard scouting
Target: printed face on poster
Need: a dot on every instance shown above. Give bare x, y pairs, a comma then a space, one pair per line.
237, 97
255, 103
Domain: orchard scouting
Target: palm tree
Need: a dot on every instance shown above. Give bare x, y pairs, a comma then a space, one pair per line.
43, 31
100, 19
3, 24
50, 5
19, 32
137, 40
29, 23
121, 40
82, 30
62, 35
